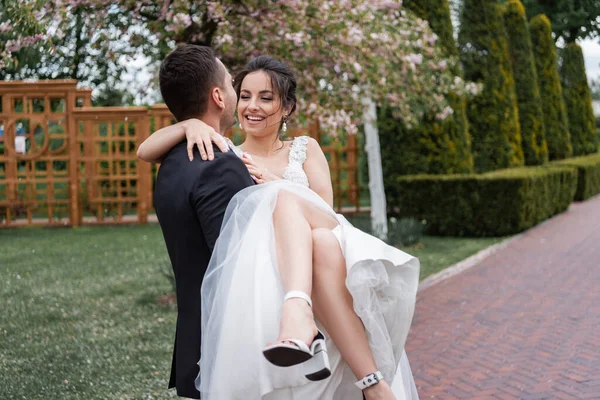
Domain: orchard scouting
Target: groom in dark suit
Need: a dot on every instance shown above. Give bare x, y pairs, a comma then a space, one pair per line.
190, 198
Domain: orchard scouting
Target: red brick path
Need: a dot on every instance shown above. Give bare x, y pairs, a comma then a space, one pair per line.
522, 324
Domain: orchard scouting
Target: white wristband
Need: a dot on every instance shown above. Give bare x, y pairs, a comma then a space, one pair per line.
369, 380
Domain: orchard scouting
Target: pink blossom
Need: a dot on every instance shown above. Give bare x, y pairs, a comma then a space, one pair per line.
446, 112
392, 5
344, 51
297, 38
415, 58
12, 46
355, 36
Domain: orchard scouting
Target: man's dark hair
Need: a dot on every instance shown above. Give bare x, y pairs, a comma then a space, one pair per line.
186, 78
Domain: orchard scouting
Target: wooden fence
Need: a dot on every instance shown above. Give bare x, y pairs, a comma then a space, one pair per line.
64, 162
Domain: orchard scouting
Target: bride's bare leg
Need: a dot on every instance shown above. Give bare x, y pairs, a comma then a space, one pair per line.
293, 220
310, 259
333, 307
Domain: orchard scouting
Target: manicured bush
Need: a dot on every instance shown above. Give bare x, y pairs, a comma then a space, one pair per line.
498, 203
578, 101
588, 170
435, 147
492, 114
553, 106
531, 117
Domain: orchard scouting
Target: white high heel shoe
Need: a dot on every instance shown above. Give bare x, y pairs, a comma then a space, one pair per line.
315, 358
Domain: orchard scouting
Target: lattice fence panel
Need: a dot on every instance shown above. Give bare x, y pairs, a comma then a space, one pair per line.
34, 182
113, 183
65, 162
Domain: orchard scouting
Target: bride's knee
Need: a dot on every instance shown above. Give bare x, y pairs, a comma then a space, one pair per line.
326, 249
286, 201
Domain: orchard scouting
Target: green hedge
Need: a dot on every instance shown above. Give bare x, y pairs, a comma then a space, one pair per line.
497, 203
578, 101
434, 146
553, 105
588, 169
492, 114
437, 13
531, 117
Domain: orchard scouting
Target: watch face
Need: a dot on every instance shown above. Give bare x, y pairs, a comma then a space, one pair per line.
372, 379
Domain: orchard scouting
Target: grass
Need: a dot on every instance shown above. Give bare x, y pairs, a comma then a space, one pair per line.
80, 317
438, 253
434, 252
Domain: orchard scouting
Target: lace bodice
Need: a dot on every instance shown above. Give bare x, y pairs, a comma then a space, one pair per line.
294, 171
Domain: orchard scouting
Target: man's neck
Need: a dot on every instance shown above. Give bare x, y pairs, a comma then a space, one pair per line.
214, 122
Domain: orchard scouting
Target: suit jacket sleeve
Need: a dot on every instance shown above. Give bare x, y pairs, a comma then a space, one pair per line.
218, 182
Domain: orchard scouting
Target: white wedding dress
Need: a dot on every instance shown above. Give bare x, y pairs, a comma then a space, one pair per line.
242, 297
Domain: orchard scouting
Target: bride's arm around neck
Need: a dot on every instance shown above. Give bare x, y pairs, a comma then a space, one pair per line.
197, 132
317, 171
157, 145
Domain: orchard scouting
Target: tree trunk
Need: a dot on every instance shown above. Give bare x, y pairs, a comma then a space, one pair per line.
376, 188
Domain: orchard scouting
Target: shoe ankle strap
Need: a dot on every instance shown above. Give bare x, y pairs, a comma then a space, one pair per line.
297, 294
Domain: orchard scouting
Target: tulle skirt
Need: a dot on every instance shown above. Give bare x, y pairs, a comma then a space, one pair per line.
242, 298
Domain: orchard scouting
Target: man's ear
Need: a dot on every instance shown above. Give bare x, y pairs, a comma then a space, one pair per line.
217, 96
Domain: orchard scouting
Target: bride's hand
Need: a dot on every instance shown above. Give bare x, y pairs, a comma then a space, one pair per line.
260, 175
202, 135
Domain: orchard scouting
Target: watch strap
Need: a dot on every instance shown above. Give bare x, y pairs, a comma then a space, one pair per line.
369, 380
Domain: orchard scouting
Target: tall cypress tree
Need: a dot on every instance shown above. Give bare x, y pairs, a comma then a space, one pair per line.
492, 114
437, 13
578, 101
553, 106
436, 147
531, 117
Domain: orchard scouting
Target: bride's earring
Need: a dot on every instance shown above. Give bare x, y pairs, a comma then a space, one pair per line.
284, 127
241, 127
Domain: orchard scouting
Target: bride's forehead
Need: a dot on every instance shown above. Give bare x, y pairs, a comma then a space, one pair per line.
258, 80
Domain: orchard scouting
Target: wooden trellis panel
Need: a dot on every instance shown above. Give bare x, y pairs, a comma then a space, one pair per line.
63, 162
34, 151
114, 186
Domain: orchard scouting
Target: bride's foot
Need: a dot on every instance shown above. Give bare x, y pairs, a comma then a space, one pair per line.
299, 339
297, 322
381, 391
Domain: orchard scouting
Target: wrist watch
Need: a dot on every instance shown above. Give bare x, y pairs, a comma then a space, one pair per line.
369, 380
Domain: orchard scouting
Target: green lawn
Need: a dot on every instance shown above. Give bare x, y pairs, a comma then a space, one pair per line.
438, 253
80, 316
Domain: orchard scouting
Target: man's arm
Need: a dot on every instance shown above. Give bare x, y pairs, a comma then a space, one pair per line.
218, 182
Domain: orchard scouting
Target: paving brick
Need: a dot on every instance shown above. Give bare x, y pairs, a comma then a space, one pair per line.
522, 324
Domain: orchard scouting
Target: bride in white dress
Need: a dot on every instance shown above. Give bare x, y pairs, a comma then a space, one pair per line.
243, 307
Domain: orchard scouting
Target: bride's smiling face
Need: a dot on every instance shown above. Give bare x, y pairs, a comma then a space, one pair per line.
259, 106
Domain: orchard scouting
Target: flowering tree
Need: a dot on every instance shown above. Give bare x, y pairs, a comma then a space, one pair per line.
571, 20
57, 41
342, 52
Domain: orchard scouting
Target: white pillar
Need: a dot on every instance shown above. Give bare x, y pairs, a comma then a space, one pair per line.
376, 188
